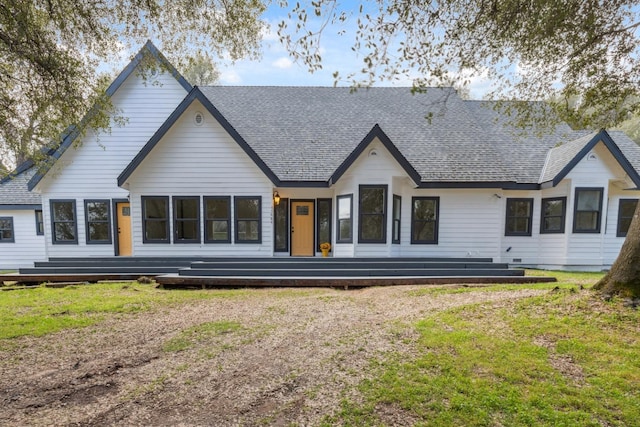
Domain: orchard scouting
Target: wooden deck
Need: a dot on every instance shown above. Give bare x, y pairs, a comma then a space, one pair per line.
201, 272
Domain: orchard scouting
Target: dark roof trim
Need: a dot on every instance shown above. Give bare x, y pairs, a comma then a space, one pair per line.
22, 167
303, 184
613, 149
504, 185
19, 207
72, 132
195, 94
376, 132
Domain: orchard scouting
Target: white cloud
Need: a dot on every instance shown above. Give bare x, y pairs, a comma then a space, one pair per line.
230, 77
282, 63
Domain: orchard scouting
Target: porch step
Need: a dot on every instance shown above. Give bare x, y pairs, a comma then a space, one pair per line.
114, 269
348, 272
359, 263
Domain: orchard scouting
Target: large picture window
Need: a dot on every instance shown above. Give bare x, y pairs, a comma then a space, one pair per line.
626, 210
424, 220
519, 216
324, 222
587, 210
248, 219
98, 221
6, 230
155, 219
373, 214
217, 219
397, 203
63, 222
186, 219
345, 220
552, 216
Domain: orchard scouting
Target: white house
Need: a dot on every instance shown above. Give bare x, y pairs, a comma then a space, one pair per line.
380, 172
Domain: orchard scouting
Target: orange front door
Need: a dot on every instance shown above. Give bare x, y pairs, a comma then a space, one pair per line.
124, 228
302, 221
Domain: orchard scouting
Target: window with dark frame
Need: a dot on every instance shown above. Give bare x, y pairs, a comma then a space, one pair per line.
39, 222
424, 220
344, 229
626, 210
281, 225
63, 222
372, 223
217, 219
323, 230
587, 214
519, 217
7, 234
155, 219
248, 219
397, 204
553, 215
186, 219
97, 215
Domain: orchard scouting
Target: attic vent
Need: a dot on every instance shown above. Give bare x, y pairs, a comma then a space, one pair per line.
373, 152
592, 156
198, 118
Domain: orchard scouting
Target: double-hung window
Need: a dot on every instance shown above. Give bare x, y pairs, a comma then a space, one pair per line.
155, 219
626, 210
248, 216
217, 211
63, 222
395, 234
186, 219
587, 210
519, 216
39, 222
424, 220
552, 216
373, 214
6, 230
98, 217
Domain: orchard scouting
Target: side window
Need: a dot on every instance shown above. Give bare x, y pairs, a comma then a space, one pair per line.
345, 221
248, 215
7, 234
39, 222
63, 222
217, 219
98, 221
324, 222
186, 219
397, 203
552, 216
424, 220
519, 215
587, 210
626, 210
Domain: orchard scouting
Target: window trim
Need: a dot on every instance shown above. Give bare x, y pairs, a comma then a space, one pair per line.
38, 222
330, 202
237, 219
575, 210
108, 221
618, 232
175, 219
53, 222
350, 197
530, 217
167, 240
563, 219
437, 221
361, 215
394, 219
207, 219
13, 230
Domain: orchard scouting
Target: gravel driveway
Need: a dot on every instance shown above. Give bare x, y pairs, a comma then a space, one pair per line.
295, 354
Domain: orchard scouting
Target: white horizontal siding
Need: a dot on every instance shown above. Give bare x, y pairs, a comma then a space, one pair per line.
27, 246
90, 169
200, 161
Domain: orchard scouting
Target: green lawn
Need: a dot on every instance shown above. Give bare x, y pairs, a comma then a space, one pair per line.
565, 358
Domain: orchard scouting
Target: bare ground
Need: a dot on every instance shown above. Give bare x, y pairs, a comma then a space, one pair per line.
297, 354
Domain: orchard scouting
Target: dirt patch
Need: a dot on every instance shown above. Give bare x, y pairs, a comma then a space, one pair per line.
296, 356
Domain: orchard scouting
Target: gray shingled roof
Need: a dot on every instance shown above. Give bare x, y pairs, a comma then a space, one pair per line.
559, 157
305, 133
14, 191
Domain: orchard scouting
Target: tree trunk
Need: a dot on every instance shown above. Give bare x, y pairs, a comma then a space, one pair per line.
624, 277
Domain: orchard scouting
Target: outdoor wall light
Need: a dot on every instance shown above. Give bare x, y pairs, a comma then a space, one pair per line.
276, 198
